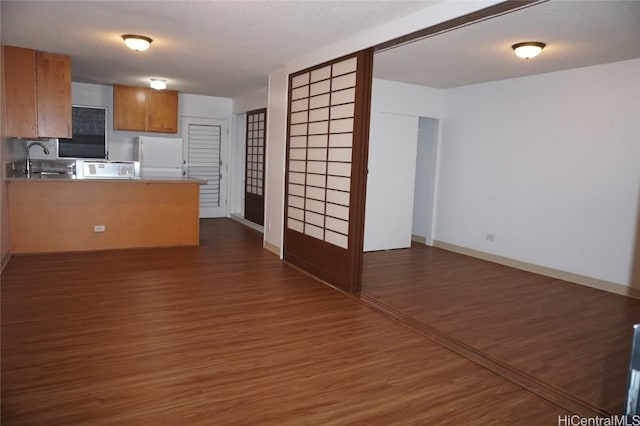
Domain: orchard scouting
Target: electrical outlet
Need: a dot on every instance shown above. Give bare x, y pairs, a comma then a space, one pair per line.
99, 228
490, 237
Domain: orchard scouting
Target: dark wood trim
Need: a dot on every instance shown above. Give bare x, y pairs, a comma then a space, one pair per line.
468, 19
250, 203
285, 211
322, 260
360, 167
246, 157
553, 394
5, 259
322, 65
248, 197
258, 111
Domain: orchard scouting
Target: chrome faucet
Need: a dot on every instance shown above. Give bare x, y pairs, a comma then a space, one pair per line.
27, 169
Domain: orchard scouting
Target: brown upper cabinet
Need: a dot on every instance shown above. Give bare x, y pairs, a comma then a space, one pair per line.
130, 108
162, 114
144, 109
37, 93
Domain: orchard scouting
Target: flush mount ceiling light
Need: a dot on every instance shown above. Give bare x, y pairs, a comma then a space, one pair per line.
158, 84
137, 42
528, 49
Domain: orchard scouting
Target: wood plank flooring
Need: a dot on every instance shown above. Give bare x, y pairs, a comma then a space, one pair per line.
572, 337
225, 334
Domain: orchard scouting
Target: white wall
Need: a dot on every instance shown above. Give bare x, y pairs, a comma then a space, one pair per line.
274, 172
237, 164
254, 100
276, 124
393, 140
563, 193
407, 99
549, 165
423, 194
205, 106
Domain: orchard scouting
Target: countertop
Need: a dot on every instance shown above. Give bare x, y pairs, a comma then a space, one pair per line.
69, 179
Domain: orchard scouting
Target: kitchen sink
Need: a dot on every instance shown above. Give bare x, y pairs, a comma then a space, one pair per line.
50, 175
42, 169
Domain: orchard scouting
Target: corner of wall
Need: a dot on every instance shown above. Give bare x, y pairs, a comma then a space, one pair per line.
275, 167
5, 246
250, 101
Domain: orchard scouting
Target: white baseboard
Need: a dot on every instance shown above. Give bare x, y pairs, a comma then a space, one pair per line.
543, 270
418, 239
238, 218
272, 248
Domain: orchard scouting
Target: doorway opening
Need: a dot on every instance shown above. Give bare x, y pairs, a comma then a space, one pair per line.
422, 227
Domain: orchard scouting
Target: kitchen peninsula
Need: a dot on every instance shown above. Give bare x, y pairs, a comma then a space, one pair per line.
54, 214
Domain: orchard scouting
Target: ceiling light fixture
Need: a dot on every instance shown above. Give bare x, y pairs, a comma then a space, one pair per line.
137, 42
528, 49
158, 84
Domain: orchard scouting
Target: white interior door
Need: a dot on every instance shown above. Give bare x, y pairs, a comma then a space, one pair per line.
393, 143
206, 147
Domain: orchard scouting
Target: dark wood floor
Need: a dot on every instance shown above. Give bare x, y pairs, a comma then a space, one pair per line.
571, 337
224, 334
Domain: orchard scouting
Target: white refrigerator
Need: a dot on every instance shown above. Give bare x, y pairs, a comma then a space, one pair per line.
160, 157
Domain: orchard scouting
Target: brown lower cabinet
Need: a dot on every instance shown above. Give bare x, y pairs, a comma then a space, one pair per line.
48, 216
144, 109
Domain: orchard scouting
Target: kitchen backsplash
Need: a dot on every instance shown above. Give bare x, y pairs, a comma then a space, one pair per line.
17, 152
118, 150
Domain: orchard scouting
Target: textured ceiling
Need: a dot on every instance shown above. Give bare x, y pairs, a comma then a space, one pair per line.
577, 34
228, 48
220, 48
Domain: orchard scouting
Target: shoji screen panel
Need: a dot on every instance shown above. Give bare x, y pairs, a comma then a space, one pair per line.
255, 152
255, 161
328, 106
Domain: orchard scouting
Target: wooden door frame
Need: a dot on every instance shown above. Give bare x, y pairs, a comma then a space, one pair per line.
359, 178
